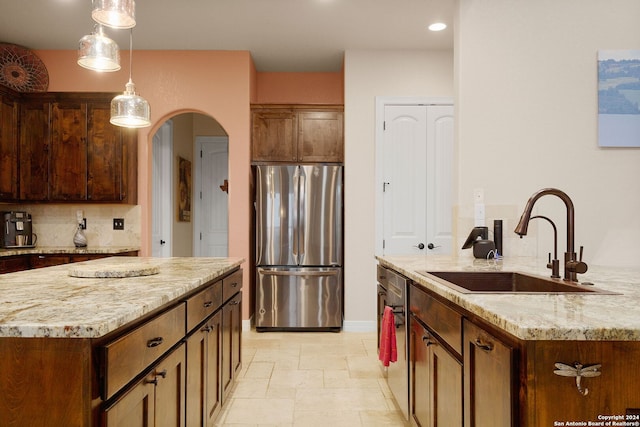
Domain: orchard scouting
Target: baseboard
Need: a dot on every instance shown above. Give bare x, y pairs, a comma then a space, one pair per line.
347, 325
360, 326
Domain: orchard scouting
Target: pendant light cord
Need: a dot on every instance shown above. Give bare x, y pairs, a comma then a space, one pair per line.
130, 53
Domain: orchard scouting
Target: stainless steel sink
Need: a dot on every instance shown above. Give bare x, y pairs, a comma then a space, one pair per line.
499, 282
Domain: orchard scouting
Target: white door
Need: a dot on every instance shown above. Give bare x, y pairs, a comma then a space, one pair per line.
161, 191
417, 191
212, 188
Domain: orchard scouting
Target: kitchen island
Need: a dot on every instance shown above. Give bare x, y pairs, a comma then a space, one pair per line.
96, 349
529, 359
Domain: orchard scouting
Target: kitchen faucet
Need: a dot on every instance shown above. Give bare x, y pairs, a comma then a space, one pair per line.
572, 266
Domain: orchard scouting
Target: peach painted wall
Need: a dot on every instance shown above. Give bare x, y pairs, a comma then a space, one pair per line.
299, 88
215, 83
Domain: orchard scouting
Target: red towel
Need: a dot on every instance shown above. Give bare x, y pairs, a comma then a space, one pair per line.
388, 349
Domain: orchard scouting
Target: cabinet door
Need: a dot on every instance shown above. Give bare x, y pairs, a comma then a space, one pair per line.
69, 151
8, 149
204, 389
488, 372
170, 389
136, 408
9, 264
34, 150
320, 136
274, 136
231, 343
436, 381
39, 261
104, 155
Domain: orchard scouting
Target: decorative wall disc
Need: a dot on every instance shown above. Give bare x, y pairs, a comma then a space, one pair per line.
22, 70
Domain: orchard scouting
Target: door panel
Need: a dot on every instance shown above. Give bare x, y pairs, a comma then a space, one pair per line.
320, 215
275, 215
417, 176
299, 297
213, 208
405, 176
161, 200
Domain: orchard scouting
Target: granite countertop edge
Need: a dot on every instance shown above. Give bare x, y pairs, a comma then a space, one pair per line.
576, 317
48, 302
70, 250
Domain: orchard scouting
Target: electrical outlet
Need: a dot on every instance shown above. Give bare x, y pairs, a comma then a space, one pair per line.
118, 223
84, 223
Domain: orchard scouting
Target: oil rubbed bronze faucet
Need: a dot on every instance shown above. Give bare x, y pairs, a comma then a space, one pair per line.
572, 266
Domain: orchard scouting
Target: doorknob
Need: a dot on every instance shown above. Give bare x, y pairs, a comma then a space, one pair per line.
162, 242
432, 246
419, 246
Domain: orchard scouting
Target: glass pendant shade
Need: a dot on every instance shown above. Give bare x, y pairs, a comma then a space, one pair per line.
114, 13
130, 110
98, 52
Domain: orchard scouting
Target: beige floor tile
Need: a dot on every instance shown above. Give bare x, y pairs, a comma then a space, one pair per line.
259, 370
259, 411
310, 379
340, 399
326, 417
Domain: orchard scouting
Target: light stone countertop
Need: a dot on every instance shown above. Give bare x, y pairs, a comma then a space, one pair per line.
581, 317
70, 250
47, 302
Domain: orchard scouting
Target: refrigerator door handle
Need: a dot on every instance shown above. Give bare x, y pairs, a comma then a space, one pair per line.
301, 223
297, 273
295, 214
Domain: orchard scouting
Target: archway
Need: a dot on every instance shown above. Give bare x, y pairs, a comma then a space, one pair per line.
186, 218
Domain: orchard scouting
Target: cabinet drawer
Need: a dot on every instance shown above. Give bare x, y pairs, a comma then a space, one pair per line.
444, 321
204, 303
129, 355
231, 285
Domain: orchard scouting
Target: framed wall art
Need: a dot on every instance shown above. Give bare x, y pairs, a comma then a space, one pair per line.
184, 190
619, 98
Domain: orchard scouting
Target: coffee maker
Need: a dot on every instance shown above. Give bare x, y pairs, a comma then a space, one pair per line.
17, 230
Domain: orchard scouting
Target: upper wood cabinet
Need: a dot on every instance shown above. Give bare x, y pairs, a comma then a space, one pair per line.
8, 146
66, 150
35, 119
297, 133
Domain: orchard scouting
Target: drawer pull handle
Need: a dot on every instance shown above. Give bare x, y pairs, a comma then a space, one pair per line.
206, 328
234, 284
162, 373
234, 302
208, 304
154, 381
154, 342
486, 346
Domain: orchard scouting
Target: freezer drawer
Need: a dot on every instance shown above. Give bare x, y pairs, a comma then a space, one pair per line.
299, 298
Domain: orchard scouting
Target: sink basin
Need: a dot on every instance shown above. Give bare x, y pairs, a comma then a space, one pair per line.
499, 282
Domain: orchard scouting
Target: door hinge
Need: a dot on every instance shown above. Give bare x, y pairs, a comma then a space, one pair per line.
200, 153
200, 235
383, 243
201, 195
384, 186
384, 125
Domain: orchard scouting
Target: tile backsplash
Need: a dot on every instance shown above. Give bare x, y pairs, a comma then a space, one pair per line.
55, 224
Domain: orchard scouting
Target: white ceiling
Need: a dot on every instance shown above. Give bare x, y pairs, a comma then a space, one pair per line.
282, 35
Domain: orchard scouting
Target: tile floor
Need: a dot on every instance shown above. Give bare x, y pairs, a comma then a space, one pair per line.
310, 379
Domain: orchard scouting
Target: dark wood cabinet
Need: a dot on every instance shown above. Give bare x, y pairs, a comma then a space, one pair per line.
49, 260
204, 388
231, 343
297, 133
158, 399
35, 142
10, 264
68, 165
488, 379
435, 362
66, 150
8, 147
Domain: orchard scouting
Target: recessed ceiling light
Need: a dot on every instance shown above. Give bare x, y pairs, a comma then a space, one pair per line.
438, 26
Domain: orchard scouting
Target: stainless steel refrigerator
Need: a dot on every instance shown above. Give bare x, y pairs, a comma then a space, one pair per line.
299, 247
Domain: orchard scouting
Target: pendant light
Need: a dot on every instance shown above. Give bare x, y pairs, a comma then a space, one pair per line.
98, 52
119, 14
130, 110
